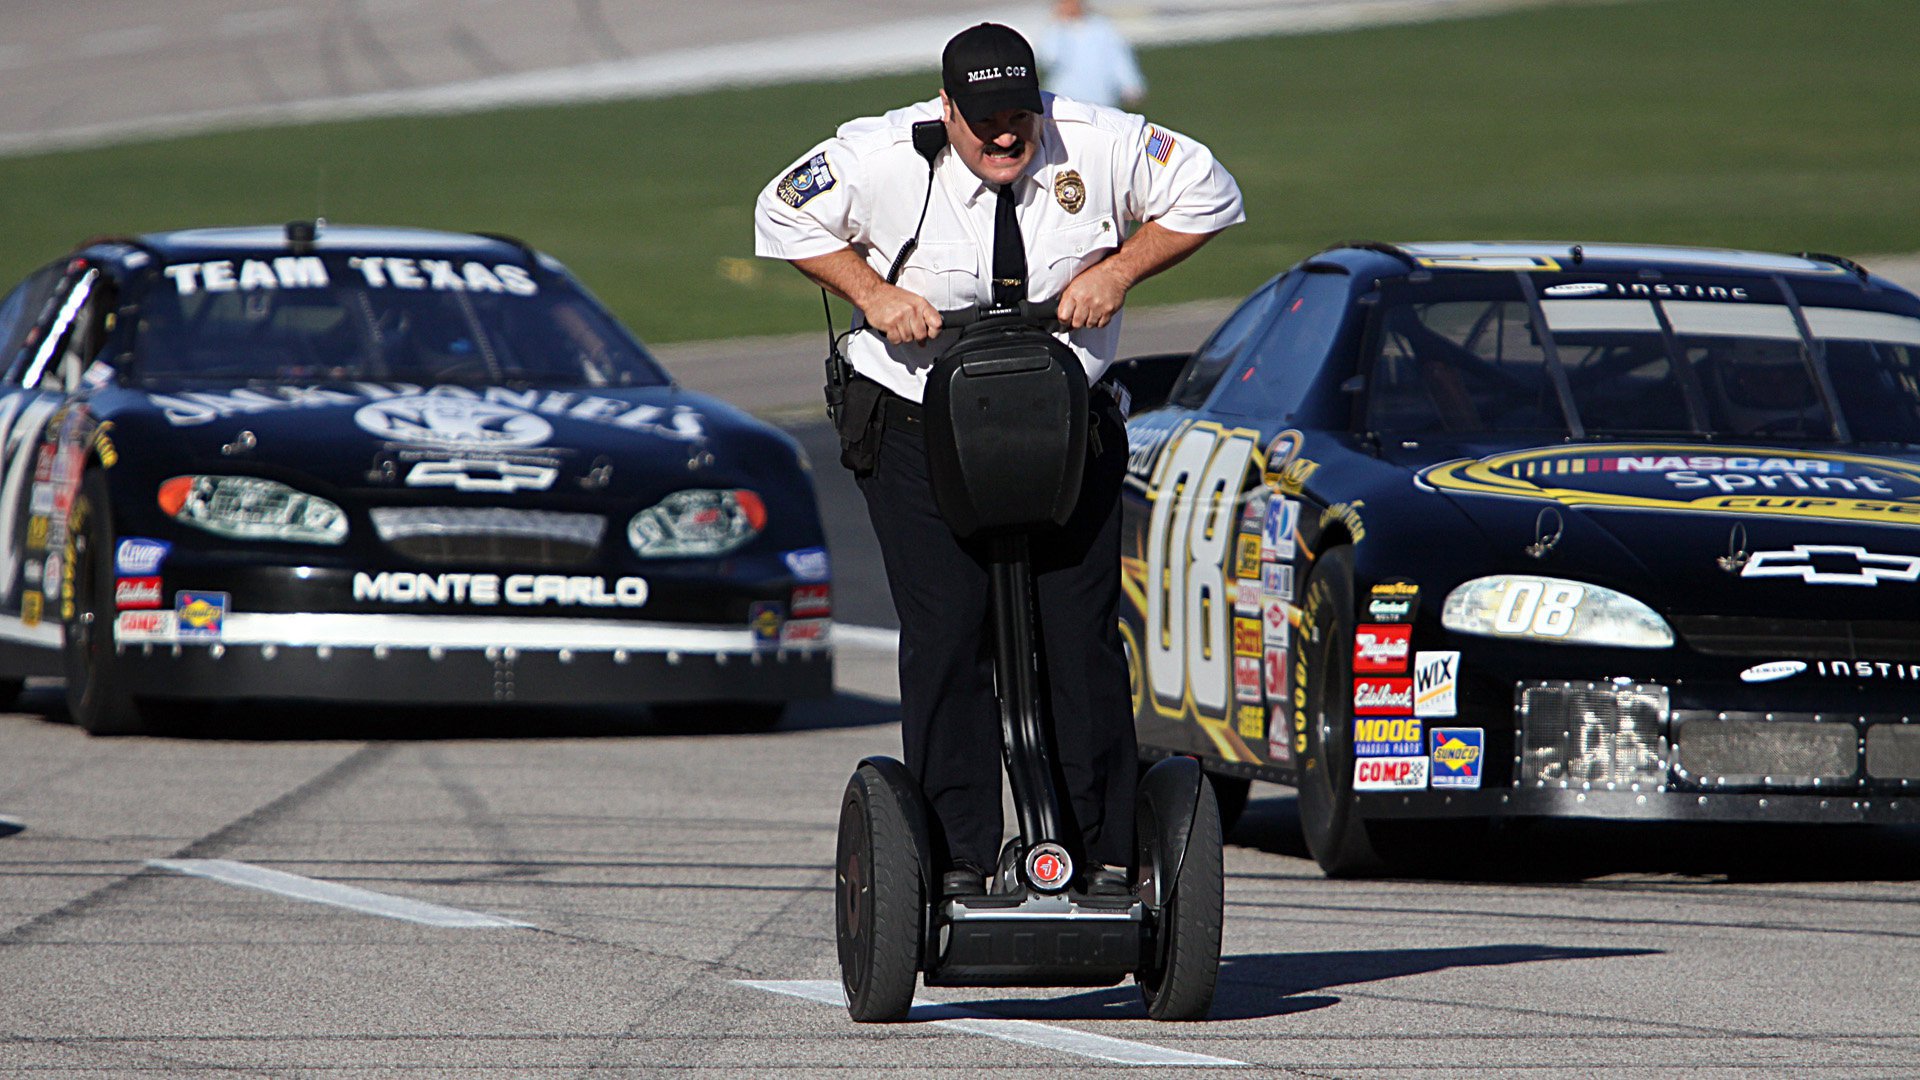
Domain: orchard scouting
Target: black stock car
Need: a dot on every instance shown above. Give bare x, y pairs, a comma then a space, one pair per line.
1448, 532
382, 465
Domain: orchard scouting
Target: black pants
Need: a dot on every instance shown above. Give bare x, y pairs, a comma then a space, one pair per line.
950, 722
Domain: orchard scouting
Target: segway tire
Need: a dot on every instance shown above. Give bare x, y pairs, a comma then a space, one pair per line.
1178, 983
878, 905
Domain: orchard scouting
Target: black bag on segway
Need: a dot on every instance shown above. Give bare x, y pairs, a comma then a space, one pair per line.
1006, 415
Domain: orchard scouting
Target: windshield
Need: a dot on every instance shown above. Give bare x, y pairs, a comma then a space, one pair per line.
379, 319
1597, 359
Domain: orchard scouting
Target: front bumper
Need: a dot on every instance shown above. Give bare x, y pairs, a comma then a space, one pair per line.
435, 659
1742, 807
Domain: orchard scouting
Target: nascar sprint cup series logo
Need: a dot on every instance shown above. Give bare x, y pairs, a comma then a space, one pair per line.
453, 423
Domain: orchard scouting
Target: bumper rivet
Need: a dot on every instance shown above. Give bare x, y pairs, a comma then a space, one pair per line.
566, 656
437, 652
268, 652
673, 659
380, 652
493, 652
720, 659
216, 651
324, 652
619, 656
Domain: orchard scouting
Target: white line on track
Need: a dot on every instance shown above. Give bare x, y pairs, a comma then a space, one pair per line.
877, 638
1026, 1032
365, 901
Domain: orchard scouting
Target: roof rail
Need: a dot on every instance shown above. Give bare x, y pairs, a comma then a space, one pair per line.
1837, 260
1394, 250
133, 242
526, 249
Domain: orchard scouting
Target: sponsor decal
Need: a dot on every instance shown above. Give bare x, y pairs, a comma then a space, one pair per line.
452, 422
1145, 437
811, 601
1246, 557
1275, 671
1867, 669
1772, 670
495, 476
1832, 564
221, 275
32, 608
144, 626
1393, 601
1657, 476
1501, 261
1246, 597
1276, 580
1383, 696
37, 531
486, 590
764, 618
1250, 721
1436, 678
1382, 737
1279, 750
808, 564
441, 275
1246, 637
191, 408
1276, 534
200, 614
805, 631
1254, 510
1577, 288
1070, 191
1379, 649
1275, 627
809, 178
1458, 754
1390, 774
1246, 679
136, 592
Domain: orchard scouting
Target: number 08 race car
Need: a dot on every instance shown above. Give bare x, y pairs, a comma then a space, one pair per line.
1442, 533
382, 465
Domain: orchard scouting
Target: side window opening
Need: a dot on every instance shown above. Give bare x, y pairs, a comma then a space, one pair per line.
1224, 349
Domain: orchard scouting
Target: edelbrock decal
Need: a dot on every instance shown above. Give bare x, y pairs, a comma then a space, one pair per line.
1772, 670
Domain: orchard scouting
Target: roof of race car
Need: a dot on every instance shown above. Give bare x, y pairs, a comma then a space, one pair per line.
1604, 258
192, 243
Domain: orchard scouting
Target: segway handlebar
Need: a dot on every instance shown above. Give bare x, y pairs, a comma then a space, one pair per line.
1037, 311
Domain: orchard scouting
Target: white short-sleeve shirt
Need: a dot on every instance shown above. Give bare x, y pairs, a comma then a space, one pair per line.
1095, 171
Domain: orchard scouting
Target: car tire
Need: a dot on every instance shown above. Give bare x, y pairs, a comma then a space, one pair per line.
97, 696
1232, 793
1334, 833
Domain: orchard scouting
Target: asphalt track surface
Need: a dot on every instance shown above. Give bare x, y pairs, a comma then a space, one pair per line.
657, 901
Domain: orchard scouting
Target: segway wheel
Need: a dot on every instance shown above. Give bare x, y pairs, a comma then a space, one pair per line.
1177, 982
877, 903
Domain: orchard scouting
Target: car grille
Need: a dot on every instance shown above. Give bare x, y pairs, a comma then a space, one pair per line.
489, 536
1893, 751
1771, 750
1806, 639
1582, 734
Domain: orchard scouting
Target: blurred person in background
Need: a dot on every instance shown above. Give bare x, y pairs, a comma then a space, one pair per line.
1083, 56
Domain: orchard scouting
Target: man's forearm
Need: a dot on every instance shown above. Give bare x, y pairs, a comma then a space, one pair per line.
1151, 249
842, 273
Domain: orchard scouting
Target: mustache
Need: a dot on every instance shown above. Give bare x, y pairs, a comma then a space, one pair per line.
996, 150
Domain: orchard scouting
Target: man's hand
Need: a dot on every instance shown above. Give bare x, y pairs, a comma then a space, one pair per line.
1091, 298
890, 309
901, 315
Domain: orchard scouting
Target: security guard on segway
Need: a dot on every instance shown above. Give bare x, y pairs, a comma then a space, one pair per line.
991, 195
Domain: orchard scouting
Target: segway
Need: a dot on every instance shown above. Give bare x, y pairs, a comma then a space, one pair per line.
1006, 433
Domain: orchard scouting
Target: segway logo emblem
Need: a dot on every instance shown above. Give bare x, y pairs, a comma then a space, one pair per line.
1048, 867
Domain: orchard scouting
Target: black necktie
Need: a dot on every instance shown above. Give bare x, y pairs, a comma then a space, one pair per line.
1009, 254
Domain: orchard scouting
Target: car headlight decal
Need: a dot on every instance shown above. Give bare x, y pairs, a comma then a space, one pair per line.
253, 508
697, 522
1555, 610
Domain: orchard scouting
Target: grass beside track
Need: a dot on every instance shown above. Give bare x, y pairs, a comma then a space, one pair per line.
1773, 124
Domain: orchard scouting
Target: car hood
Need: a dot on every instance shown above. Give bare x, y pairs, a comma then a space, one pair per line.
1692, 528
455, 439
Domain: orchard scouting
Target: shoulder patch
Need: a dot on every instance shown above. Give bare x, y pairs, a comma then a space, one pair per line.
1159, 144
810, 178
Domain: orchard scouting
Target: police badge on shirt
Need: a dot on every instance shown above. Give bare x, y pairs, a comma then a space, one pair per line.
809, 178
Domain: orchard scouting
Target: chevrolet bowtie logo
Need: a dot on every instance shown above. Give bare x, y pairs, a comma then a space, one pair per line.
1833, 564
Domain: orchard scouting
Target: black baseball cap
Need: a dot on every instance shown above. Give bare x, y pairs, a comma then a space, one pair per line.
989, 68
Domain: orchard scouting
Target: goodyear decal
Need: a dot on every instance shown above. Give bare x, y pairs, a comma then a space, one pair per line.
1674, 478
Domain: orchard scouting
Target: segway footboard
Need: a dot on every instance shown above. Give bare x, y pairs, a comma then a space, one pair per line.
1033, 940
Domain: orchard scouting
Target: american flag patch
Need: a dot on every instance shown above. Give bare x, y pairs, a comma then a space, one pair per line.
1159, 145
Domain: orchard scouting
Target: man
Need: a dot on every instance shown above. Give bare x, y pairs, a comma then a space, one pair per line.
1085, 58
1030, 199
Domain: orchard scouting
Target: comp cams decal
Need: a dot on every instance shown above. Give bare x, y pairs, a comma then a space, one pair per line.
492, 416
1664, 477
1388, 754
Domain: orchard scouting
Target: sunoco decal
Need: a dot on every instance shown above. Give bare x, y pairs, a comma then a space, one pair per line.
1663, 477
1458, 754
